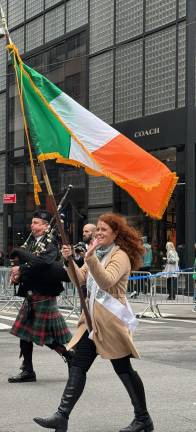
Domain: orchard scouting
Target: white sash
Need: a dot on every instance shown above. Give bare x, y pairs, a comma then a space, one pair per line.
122, 311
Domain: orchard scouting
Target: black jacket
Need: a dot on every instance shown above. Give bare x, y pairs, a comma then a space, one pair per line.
41, 274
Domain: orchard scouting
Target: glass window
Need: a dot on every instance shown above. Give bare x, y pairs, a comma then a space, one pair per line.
100, 191
55, 60
16, 131
34, 34
37, 62
101, 86
67, 67
15, 13
129, 19
33, 7
159, 12
101, 24
181, 64
71, 175
19, 173
128, 85
17, 37
76, 45
72, 86
49, 3
55, 23
182, 8
2, 64
2, 120
93, 214
160, 70
76, 14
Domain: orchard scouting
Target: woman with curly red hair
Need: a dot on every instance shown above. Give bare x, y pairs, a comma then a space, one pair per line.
116, 250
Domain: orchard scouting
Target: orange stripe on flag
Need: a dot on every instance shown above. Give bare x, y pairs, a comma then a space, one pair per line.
143, 176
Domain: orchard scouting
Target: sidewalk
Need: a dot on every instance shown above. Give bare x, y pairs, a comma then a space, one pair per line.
167, 310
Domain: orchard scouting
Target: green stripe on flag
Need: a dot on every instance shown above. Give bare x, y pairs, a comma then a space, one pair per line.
48, 135
47, 88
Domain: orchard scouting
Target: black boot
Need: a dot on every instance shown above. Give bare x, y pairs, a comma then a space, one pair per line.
73, 390
24, 376
27, 373
135, 389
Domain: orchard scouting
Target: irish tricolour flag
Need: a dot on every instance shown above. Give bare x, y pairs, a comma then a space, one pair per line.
62, 129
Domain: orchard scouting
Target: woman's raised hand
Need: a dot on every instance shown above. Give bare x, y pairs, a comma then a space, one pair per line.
66, 251
91, 249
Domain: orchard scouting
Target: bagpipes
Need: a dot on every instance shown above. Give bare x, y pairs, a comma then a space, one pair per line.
52, 231
21, 255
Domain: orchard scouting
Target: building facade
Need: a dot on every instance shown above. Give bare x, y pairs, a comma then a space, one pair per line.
132, 63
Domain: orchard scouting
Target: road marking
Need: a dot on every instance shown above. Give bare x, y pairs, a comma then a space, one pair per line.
7, 318
179, 320
4, 326
150, 321
74, 319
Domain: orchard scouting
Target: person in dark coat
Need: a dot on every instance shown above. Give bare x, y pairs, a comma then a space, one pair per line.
39, 275
1, 258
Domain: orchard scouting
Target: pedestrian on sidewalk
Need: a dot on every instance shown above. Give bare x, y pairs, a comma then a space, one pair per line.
39, 277
171, 267
116, 250
146, 265
1, 258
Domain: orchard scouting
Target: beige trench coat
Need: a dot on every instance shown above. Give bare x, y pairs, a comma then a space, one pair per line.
112, 338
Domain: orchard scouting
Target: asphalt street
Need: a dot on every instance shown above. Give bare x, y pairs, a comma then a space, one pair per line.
167, 367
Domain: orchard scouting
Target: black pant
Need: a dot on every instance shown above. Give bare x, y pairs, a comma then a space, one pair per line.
172, 287
85, 355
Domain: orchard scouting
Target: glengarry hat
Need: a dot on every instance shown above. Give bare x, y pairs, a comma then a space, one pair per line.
42, 214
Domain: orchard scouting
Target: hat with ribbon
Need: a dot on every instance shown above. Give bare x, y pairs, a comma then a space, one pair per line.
42, 214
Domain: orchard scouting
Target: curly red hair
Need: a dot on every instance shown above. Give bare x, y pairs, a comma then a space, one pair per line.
128, 238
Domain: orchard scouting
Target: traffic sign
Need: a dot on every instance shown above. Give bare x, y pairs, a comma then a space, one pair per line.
9, 199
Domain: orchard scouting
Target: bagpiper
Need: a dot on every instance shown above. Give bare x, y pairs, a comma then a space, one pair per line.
38, 274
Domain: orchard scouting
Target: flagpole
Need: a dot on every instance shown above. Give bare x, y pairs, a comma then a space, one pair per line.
65, 241
54, 206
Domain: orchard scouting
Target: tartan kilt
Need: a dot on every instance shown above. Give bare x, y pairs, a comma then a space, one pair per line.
46, 324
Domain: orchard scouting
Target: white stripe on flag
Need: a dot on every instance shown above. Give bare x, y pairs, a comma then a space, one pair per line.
89, 129
78, 154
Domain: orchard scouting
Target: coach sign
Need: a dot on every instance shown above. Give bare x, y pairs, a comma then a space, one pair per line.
146, 132
9, 199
